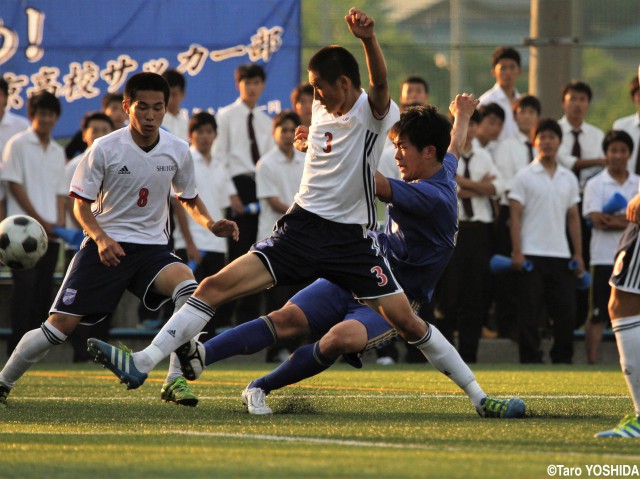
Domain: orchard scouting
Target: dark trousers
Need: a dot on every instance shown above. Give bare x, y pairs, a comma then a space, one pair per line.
463, 286
246, 308
550, 284
32, 295
504, 283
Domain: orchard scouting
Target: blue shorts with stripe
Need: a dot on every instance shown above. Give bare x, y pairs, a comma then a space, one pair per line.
326, 304
626, 267
93, 290
304, 246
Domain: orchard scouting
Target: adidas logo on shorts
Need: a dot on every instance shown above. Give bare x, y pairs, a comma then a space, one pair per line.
124, 171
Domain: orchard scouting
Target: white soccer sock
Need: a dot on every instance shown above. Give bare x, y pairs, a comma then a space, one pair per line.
627, 331
180, 328
33, 346
446, 359
180, 295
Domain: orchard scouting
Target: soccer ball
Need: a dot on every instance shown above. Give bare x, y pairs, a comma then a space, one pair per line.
23, 242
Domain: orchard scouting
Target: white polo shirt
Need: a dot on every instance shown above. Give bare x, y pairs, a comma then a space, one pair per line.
545, 202
177, 124
129, 188
10, 125
276, 176
342, 158
232, 145
510, 157
630, 124
597, 192
480, 165
590, 147
39, 170
214, 188
498, 96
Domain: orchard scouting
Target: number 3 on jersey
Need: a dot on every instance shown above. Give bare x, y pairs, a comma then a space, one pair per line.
143, 194
329, 137
382, 278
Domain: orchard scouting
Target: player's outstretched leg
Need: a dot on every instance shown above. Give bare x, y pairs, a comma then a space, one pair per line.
177, 391
118, 360
629, 427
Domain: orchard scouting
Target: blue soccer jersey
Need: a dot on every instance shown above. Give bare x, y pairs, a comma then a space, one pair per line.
420, 235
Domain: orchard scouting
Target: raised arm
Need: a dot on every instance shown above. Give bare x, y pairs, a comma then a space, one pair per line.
362, 27
461, 108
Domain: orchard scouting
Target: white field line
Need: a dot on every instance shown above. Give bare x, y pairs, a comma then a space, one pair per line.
333, 442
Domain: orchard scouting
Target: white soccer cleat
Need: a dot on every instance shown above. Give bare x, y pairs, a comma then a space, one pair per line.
255, 400
191, 356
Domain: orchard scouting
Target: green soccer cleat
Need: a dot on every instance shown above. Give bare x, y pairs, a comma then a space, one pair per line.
629, 427
4, 392
118, 361
502, 408
178, 391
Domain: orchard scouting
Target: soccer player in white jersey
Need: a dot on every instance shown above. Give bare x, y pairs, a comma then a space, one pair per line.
121, 187
324, 234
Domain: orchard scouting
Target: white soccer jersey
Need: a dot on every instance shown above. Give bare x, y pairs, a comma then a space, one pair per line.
130, 188
338, 179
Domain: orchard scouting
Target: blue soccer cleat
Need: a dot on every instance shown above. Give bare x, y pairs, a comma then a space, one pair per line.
118, 361
502, 408
629, 427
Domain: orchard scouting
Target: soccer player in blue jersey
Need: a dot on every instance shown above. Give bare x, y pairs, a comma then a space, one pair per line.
324, 233
418, 242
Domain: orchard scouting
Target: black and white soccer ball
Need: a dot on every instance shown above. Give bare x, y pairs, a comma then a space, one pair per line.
23, 241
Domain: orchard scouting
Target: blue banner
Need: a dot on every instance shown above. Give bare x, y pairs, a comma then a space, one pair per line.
82, 49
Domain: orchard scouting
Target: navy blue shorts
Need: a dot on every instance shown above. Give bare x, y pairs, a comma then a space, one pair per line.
326, 304
93, 290
626, 267
305, 246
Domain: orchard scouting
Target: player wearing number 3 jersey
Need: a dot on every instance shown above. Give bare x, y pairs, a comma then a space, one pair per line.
121, 189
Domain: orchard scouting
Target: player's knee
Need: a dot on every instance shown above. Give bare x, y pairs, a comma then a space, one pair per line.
289, 321
64, 323
333, 344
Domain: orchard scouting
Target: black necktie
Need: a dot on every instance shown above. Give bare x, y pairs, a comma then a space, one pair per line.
576, 150
255, 153
466, 202
530, 148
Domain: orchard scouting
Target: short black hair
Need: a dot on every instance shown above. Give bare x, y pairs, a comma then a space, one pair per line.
617, 135
146, 81
527, 101
111, 98
491, 109
577, 86
283, 116
175, 78
503, 52
547, 124
202, 118
4, 86
299, 90
634, 86
424, 126
43, 100
333, 61
249, 70
95, 115
417, 79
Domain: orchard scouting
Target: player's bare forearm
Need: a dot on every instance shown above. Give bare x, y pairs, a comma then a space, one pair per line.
362, 26
198, 211
462, 107
108, 249
383, 188
183, 222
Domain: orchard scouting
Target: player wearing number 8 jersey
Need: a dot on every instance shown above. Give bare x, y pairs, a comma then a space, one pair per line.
121, 189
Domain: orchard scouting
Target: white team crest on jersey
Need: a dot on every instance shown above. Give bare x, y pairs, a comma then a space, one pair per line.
69, 296
617, 268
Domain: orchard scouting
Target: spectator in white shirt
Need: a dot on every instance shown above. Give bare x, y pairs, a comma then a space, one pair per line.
505, 68
607, 230
490, 127
176, 120
414, 90
631, 124
302, 101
